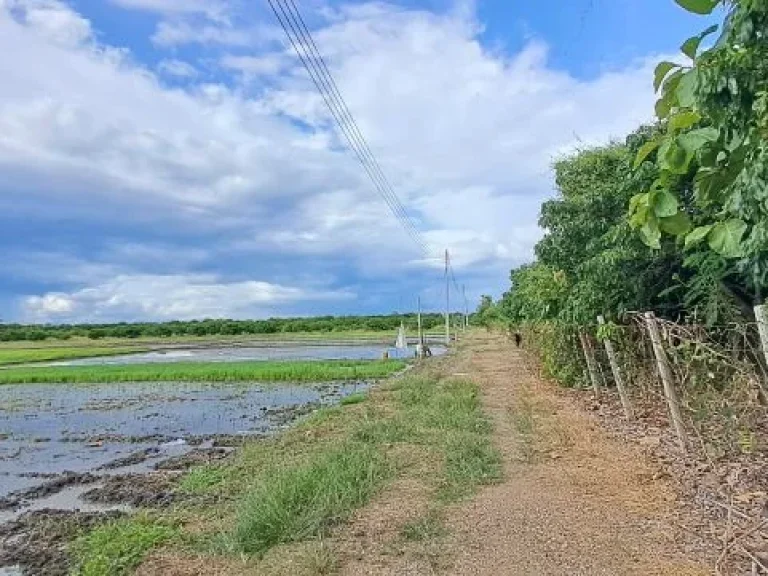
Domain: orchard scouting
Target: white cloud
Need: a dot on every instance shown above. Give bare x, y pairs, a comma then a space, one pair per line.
252, 66
214, 9
51, 19
145, 296
178, 68
466, 135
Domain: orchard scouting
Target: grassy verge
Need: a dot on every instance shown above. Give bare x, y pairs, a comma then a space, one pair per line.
118, 547
10, 356
265, 371
279, 497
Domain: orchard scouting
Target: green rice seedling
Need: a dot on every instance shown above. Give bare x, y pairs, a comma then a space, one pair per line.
258, 371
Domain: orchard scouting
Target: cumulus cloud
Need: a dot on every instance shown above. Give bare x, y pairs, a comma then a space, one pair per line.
145, 296
465, 134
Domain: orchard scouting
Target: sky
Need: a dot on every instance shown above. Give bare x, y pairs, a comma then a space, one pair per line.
171, 159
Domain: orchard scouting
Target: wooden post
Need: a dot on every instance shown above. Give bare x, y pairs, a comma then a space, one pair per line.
662, 362
625, 403
589, 356
761, 315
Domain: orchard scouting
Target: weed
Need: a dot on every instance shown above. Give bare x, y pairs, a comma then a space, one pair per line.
425, 527
470, 461
116, 548
201, 479
300, 502
353, 399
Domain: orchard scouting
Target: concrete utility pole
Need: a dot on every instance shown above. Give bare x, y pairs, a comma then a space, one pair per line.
447, 300
466, 306
421, 333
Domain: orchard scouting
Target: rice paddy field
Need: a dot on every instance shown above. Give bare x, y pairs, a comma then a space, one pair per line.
263, 371
81, 421
17, 355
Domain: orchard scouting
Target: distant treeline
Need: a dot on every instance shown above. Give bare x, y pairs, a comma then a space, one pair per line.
210, 327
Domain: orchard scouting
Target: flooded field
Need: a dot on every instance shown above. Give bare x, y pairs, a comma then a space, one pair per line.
108, 429
241, 353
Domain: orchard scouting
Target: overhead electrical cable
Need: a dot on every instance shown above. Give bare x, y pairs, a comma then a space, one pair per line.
289, 17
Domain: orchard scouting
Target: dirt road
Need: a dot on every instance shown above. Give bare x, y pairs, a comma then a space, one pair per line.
572, 502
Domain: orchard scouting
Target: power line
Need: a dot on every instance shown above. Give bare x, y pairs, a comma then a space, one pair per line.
299, 36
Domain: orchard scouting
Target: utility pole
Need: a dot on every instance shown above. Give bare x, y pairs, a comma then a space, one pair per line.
447, 300
421, 333
466, 306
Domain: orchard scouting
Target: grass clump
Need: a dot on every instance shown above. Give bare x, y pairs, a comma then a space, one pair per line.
426, 527
353, 399
118, 547
9, 356
200, 480
265, 371
298, 503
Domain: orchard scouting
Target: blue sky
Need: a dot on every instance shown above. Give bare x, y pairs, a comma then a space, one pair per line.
166, 159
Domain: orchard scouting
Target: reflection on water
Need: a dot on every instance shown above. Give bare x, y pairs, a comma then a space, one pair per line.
244, 353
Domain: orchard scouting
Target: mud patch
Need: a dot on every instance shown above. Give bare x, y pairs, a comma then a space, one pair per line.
57, 484
196, 457
155, 490
37, 541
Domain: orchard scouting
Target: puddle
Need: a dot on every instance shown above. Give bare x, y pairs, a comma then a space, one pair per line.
244, 353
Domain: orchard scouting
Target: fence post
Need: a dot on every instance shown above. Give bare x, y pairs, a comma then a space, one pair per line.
589, 356
761, 315
616, 370
662, 362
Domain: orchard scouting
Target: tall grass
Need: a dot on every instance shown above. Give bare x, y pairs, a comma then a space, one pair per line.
298, 503
266, 371
23, 355
116, 548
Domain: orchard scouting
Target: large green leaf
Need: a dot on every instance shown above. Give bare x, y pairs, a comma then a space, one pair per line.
664, 203
675, 157
691, 46
697, 235
725, 238
707, 185
683, 120
699, 6
686, 89
692, 141
645, 150
650, 233
676, 225
662, 69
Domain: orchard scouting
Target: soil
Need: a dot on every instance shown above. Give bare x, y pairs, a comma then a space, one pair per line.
37, 541
194, 458
156, 490
58, 483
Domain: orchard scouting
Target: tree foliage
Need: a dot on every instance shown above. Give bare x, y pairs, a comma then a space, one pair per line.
675, 219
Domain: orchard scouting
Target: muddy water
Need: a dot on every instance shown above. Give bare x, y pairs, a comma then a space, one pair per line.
243, 353
49, 428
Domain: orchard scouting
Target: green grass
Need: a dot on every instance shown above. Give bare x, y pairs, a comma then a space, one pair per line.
116, 548
264, 371
282, 493
297, 503
24, 355
425, 527
353, 399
